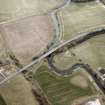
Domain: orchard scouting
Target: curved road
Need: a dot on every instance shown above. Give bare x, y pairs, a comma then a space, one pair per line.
69, 45
81, 37
56, 24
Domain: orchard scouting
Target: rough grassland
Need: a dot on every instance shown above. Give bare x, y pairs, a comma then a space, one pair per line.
58, 89
27, 37
18, 92
78, 17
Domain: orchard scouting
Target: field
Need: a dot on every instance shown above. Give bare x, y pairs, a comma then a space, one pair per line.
103, 1
59, 90
48, 5
2, 102
2, 48
29, 36
18, 92
64, 60
92, 52
80, 17
76, 80
22, 8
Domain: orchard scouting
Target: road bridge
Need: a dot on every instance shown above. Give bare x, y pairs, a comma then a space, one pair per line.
79, 37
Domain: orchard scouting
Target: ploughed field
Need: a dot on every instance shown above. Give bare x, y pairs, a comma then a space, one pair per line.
80, 17
63, 90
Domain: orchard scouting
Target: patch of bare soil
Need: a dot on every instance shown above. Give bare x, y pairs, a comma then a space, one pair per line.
28, 37
79, 81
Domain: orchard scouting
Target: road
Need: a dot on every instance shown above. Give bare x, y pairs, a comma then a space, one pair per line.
78, 38
70, 45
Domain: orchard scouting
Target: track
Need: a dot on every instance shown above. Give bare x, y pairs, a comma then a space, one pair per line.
81, 37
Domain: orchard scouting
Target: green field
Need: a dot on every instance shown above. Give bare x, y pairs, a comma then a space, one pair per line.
58, 89
80, 17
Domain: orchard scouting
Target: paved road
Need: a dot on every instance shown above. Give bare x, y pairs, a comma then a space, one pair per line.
69, 45
78, 36
86, 67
